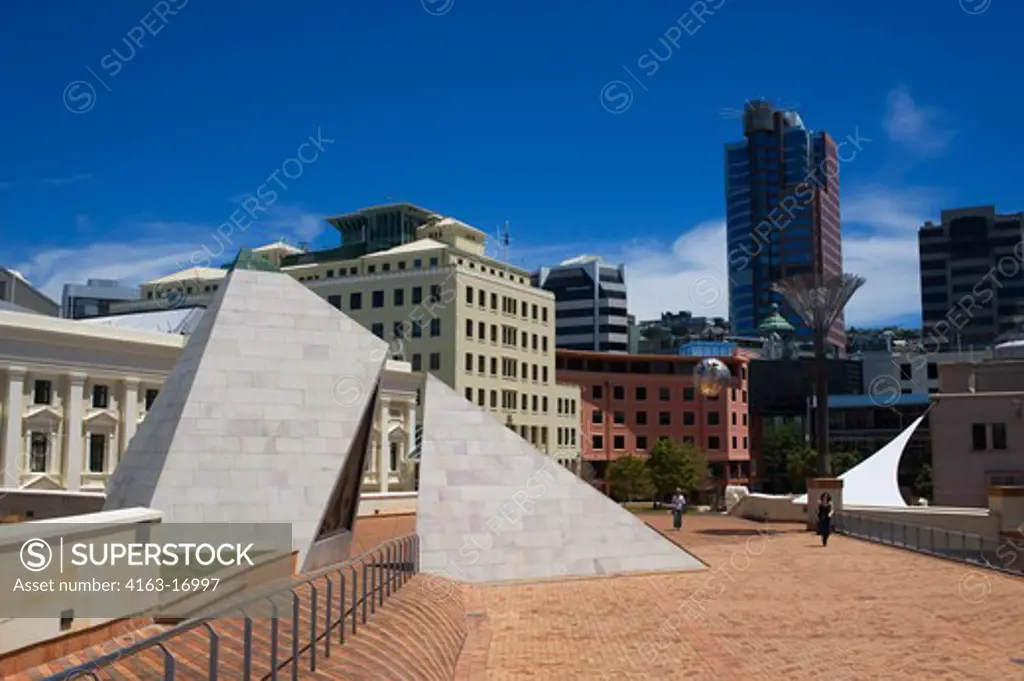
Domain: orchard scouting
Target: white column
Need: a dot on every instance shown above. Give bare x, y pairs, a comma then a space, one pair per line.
14, 446
75, 450
129, 419
384, 454
410, 425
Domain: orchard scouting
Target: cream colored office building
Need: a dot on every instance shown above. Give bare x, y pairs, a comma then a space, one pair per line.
72, 394
410, 274
422, 282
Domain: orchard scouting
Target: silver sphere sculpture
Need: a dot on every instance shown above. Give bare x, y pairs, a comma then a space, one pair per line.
710, 376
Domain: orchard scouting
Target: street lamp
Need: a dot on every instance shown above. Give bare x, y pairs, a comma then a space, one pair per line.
819, 300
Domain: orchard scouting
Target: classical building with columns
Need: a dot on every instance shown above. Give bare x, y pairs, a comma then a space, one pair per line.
72, 395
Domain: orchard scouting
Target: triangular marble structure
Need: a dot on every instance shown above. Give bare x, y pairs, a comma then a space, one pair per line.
261, 419
493, 508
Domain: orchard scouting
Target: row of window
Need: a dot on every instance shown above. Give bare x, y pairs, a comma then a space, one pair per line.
510, 368
169, 291
510, 336
567, 436
509, 305
619, 442
404, 330
510, 399
535, 435
40, 452
434, 362
988, 436
378, 298
664, 394
566, 406
42, 393
417, 264
664, 418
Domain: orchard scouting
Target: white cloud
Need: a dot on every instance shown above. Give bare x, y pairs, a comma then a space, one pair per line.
879, 243
917, 127
167, 248
64, 181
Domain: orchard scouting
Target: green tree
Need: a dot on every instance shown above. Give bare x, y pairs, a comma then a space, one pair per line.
801, 464
630, 480
674, 465
844, 461
777, 444
923, 484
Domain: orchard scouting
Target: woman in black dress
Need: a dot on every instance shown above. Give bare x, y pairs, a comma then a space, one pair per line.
825, 511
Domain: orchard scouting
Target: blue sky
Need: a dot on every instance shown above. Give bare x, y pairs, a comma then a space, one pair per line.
122, 164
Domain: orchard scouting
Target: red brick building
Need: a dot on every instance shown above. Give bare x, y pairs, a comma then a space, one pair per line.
629, 402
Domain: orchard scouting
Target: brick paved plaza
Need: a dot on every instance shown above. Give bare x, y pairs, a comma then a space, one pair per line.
782, 608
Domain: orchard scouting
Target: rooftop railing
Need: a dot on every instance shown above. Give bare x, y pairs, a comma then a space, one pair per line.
253, 639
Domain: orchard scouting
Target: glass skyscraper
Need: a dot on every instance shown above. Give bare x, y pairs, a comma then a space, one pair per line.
782, 215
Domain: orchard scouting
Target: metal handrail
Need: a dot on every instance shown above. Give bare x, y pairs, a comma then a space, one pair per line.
402, 561
956, 545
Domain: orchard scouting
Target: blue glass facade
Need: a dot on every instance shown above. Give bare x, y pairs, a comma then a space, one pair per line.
773, 187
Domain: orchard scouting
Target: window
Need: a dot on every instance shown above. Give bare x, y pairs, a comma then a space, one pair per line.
494, 301
469, 361
394, 457
469, 295
664, 394
355, 301
688, 418
664, 418
371, 268
744, 443
734, 418
688, 394
641, 442
435, 293
597, 416
641, 418
469, 394
481, 298
433, 262
417, 264
335, 301
933, 371
618, 393
469, 328
378, 299
641, 393
688, 440
544, 314
714, 442
906, 372
619, 442
597, 392
97, 453
481, 397
597, 442
744, 419
100, 397
619, 417
39, 453
435, 361
417, 295
417, 362
151, 398
43, 392
734, 443
713, 418
435, 327
399, 297
998, 436
979, 441
417, 329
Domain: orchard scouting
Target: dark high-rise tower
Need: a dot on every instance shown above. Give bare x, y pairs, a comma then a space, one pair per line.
782, 215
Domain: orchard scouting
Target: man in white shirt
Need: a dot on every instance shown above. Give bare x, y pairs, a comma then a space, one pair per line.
678, 507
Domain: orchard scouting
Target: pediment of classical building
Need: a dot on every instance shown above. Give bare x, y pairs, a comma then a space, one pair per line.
397, 433
100, 418
42, 481
42, 414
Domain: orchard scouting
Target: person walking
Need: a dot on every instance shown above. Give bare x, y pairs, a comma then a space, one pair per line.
678, 507
825, 511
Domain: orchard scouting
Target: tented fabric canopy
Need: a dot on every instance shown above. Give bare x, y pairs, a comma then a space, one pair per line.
873, 482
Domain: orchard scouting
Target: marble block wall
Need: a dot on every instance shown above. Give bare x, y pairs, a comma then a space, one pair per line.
493, 508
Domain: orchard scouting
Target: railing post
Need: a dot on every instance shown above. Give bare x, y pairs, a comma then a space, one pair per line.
214, 652
312, 627
355, 600
327, 617
380, 552
342, 593
246, 646
373, 585
388, 572
295, 635
365, 605
273, 639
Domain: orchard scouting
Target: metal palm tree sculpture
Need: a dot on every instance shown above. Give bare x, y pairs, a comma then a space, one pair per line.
819, 300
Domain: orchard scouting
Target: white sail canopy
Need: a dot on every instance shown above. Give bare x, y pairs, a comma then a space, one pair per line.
873, 482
